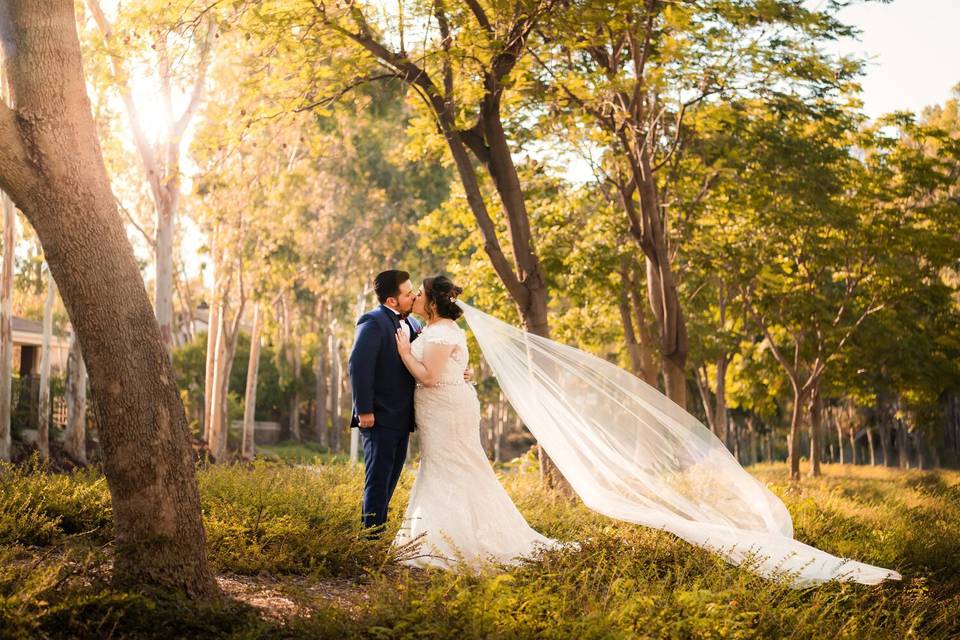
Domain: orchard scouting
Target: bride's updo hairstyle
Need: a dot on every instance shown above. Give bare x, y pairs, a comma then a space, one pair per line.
442, 293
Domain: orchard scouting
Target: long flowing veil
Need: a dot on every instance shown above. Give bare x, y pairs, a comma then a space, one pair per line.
631, 453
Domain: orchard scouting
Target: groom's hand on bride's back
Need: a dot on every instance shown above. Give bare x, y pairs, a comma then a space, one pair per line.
365, 420
468, 375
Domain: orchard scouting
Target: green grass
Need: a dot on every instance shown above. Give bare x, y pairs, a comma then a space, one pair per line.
289, 532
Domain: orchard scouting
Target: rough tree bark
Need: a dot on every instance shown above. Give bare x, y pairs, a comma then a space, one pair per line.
250, 398
51, 165
43, 405
75, 436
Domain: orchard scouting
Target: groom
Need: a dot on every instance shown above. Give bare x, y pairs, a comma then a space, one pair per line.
383, 392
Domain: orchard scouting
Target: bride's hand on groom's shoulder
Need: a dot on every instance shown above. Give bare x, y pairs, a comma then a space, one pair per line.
403, 342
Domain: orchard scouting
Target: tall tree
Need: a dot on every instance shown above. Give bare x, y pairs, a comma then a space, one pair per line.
43, 403
161, 162
6, 323
250, 398
51, 166
461, 78
623, 75
75, 436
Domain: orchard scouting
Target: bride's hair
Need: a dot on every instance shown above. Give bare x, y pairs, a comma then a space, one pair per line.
442, 293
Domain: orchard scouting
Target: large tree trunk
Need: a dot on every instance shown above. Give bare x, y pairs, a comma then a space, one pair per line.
50, 163
873, 455
75, 437
43, 405
6, 324
640, 339
250, 398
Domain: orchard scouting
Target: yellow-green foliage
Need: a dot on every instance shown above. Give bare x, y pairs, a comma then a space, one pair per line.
273, 518
39, 508
624, 581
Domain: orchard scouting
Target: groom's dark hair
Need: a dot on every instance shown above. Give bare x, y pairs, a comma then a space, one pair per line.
387, 284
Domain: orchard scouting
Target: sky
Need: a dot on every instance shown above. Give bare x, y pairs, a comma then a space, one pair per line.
913, 52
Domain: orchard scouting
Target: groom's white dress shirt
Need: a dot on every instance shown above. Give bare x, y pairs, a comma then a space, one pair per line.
404, 326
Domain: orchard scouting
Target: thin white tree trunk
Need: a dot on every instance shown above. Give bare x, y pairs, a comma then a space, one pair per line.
853, 445
839, 424
293, 362
213, 324
336, 384
75, 438
43, 406
163, 286
320, 424
6, 325
217, 441
498, 433
250, 399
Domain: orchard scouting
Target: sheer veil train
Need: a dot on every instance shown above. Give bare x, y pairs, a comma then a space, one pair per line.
632, 454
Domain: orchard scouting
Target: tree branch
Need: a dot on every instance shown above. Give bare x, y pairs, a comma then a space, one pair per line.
198, 84
147, 155
151, 242
445, 42
406, 69
479, 14
16, 174
791, 372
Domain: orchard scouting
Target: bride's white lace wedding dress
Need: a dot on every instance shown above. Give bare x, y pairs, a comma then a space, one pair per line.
457, 503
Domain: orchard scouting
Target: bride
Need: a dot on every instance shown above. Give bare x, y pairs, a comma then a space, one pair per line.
627, 450
456, 504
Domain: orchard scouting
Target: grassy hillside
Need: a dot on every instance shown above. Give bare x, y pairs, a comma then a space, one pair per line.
284, 542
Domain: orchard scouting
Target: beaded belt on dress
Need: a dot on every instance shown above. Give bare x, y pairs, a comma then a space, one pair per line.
445, 384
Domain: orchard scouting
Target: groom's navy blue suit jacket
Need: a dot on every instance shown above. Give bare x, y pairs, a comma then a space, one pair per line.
381, 383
